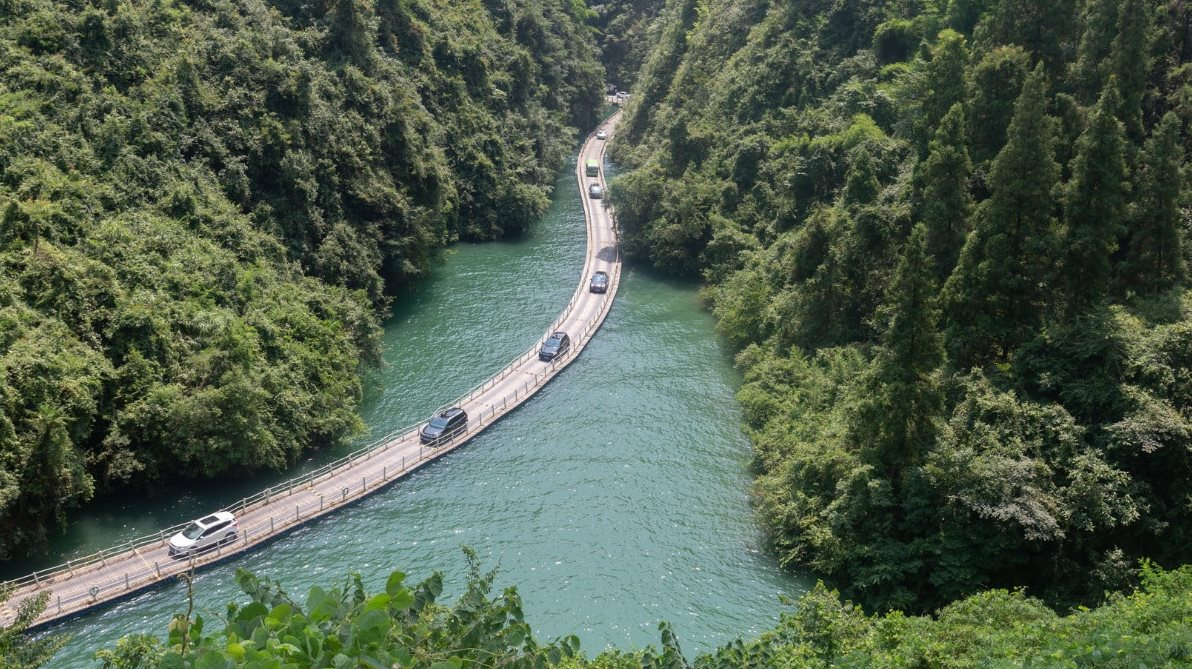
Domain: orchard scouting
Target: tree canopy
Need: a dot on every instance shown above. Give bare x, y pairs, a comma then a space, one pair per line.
205, 209
1028, 157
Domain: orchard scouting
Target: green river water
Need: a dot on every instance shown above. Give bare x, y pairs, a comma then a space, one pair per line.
614, 499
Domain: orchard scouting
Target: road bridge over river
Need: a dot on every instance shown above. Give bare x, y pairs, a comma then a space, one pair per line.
123, 570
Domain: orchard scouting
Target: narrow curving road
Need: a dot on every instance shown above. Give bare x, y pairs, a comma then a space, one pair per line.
121, 571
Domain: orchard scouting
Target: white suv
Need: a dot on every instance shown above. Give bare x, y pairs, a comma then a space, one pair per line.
204, 533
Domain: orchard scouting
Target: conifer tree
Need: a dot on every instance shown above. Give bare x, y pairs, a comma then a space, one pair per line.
896, 421
1130, 62
999, 291
1046, 28
946, 81
1095, 204
946, 200
1100, 24
860, 184
1156, 259
997, 83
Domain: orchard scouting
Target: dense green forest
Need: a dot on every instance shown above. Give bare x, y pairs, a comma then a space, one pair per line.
205, 205
946, 240
626, 29
345, 625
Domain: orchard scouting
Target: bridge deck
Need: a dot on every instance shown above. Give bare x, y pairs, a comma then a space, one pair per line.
140, 564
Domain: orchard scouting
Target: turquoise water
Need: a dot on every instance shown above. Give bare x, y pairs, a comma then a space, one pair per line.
614, 499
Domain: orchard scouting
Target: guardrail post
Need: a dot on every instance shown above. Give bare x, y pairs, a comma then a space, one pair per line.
69, 567
291, 488
243, 504
403, 463
157, 568
161, 534
59, 603
385, 473
363, 483
35, 580
296, 514
270, 524
320, 502
268, 494
246, 535
345, 494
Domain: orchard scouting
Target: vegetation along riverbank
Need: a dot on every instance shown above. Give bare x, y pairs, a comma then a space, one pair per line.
205, 207
947, 240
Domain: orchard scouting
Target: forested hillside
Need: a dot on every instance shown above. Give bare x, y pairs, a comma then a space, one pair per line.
205, 204
946, 238
626, 29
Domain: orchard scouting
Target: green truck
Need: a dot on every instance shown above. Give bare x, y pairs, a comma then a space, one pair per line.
593, 167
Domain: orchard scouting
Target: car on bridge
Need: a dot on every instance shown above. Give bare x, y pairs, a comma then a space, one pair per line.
555, 346
599, 283
444, 427
204, 534
595, 191
601, 134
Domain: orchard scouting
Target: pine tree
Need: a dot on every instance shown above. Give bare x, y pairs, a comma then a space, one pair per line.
1100, 25
997, 296
946, 82
1045, 28
896, 422
1156, 259
1130, 62
860, 184
997, 83
946, 200
1095, 204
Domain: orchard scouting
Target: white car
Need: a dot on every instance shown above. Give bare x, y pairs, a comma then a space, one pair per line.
204, 533
601, 134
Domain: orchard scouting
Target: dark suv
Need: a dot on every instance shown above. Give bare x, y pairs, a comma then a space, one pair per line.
599, 283
555, 346
444, 427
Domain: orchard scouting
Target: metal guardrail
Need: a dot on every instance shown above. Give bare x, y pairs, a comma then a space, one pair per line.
128, 580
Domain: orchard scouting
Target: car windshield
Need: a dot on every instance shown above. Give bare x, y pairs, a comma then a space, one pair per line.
600, 278
438, 423
192, 531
